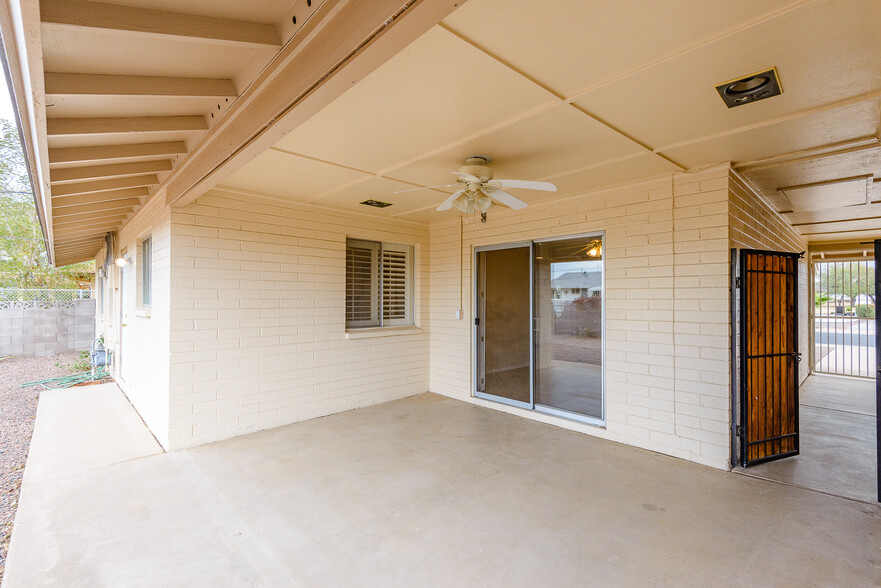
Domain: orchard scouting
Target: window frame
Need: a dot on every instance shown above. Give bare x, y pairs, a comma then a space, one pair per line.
377, 285
146, 290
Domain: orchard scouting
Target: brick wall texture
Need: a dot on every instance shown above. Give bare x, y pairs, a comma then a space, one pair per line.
247, 327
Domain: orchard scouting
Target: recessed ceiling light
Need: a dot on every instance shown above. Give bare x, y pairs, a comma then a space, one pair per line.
376, 203
751, 88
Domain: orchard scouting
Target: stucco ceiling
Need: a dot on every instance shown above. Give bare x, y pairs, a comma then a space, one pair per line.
592, 94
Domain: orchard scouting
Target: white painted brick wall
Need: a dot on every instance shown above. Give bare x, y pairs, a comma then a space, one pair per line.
258, 319
148, 344
666, 308
754, 225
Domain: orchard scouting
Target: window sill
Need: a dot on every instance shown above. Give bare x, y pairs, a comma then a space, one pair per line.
143, 312
382, 332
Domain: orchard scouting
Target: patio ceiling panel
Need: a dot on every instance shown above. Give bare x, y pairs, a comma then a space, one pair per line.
631, 96
572, 46
431, 94
819, 64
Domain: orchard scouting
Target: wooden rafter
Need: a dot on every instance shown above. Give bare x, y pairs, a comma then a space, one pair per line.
74, 174
102, 185
128, 203
134, 124
111, 152
106, 196
146, 21
73, 84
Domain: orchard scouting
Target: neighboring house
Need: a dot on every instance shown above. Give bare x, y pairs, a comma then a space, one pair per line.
227, 161
573, 285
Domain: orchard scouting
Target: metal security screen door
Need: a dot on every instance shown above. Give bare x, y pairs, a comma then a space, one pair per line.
769, 356
844, 317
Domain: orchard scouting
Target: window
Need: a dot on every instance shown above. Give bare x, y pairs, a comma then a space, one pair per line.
146, 271
379, 284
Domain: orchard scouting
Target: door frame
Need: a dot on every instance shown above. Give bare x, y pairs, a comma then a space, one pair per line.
121, 350
877, 246
478, 348
475, 333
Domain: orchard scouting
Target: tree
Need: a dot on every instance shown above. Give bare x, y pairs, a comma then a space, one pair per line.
838, 279
24, 262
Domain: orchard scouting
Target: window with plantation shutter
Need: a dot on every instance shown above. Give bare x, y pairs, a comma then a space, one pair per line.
379, 284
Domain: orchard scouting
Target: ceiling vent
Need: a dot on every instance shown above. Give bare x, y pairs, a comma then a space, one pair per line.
751, 88
376, 203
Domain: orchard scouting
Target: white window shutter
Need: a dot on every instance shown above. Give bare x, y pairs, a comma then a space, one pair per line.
362, 279
396, 284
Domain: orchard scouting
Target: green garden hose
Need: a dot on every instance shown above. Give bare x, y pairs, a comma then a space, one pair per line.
68, 381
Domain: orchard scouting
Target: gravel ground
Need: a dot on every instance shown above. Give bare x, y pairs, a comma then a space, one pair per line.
18, 407
578, 348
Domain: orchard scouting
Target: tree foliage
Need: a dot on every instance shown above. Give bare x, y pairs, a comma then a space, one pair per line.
845, 278
24, 262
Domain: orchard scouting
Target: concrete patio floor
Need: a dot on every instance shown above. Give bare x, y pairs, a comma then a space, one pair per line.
425, 491
836, 440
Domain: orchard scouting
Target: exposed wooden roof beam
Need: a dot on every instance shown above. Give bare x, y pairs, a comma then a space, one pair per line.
75, 84
73, 174
96, 227
65, 233
98, 15
96, 208
88, 222
106, 196
81, 242
102, 185
109, 152
86, 247
133, 124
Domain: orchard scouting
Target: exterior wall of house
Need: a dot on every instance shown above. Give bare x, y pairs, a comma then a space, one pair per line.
667, 308
258, 335
754, 225
141, 365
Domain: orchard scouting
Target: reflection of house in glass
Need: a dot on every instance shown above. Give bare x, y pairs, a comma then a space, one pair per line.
572, 286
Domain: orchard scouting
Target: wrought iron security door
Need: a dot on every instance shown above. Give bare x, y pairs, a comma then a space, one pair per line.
769, 356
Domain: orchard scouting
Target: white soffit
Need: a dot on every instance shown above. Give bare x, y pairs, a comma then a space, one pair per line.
827, 196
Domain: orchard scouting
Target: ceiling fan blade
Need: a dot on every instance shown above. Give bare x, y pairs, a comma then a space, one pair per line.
466, 177
448, 203
504, 198
425, 188
525, 184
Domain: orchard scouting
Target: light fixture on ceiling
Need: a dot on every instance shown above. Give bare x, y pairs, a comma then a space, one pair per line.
596, 249
751, 88
376, 203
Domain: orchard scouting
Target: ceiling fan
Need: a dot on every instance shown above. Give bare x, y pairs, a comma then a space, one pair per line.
478, 191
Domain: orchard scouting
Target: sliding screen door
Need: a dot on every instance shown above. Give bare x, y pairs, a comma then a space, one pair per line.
503, 325
568, 278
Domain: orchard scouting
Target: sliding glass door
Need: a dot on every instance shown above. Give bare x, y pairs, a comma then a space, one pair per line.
539, 326
568, 294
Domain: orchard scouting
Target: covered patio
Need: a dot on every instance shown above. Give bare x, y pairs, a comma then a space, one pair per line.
421, 491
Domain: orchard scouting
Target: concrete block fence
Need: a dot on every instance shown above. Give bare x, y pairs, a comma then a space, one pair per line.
47, 329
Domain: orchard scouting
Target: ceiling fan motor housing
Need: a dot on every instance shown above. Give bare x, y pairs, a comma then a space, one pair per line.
476, 166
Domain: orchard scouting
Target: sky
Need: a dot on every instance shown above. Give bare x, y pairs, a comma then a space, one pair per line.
5, 103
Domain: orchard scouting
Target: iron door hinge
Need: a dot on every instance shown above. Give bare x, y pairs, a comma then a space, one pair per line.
737, 282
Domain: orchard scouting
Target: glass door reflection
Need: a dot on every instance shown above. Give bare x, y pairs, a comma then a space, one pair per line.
568, 325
